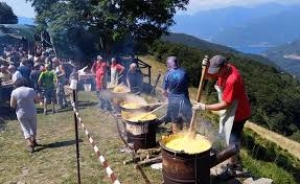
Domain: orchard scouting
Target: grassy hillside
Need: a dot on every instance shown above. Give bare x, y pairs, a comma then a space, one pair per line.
287, 57
191, 41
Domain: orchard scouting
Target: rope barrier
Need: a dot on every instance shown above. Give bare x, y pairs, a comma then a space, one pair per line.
101, 158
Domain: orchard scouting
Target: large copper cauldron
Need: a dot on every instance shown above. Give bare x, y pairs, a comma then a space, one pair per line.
184, 168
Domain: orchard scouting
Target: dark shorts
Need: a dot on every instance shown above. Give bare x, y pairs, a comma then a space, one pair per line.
236, 132
179, 110
49, 93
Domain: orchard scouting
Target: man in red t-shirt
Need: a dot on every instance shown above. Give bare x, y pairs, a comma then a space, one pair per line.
234, 103
100, 69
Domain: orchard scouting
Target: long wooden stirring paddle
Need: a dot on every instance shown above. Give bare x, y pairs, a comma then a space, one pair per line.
151, 112
192, 128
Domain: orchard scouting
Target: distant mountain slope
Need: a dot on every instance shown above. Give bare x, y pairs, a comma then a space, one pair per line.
271, 30
192, 41
25, 20
206, 24
286, 56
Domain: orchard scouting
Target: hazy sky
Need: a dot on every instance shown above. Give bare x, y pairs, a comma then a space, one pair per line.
198, 5
25, 10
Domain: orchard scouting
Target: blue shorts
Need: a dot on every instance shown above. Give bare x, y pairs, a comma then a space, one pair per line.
49, 93
179, 109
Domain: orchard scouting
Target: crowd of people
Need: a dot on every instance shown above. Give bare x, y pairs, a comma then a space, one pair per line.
133, 78
29, 77
41, 72
40, 77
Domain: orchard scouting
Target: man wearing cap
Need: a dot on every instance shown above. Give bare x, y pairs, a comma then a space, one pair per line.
233, 105
175, 86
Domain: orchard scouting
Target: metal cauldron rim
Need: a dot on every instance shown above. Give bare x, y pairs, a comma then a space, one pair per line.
181, 151
140, 121
129, 109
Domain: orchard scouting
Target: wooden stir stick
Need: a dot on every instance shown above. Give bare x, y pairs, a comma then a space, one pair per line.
151, 112
192, 128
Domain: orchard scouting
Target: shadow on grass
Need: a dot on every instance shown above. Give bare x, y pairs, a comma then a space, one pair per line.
6, 113
215, 179
41, 147
86, 103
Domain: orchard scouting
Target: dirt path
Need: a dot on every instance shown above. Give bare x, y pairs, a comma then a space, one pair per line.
291, 146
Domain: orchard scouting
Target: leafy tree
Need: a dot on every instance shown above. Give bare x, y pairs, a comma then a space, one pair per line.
110, 21
7, 16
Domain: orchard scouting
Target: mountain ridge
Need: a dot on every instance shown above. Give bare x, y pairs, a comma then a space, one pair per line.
209, 25
287, 56
198, 43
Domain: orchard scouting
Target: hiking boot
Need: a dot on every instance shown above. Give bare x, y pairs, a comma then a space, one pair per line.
35, 143
30, 149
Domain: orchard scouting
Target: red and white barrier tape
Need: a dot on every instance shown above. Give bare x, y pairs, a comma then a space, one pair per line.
102, 160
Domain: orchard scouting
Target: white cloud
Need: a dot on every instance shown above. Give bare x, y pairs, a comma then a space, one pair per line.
199, 5
21, 8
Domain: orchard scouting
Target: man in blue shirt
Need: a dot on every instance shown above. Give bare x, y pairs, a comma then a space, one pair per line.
175, 86
24, 69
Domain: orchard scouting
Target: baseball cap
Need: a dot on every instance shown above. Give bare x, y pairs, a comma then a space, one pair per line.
215, 63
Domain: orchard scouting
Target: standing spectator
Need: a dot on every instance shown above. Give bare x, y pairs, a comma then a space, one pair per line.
24, 69
47, 80
15, 74
5, 75
116, 72
134, 79
98, 64
101, 84
175, 86
61, 80
23, 99
34, 76
234, 105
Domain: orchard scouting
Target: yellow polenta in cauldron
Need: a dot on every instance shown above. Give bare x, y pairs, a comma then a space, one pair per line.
130, 105
189, 145
121, 89
142, 117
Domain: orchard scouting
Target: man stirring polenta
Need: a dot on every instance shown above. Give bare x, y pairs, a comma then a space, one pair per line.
233, 105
